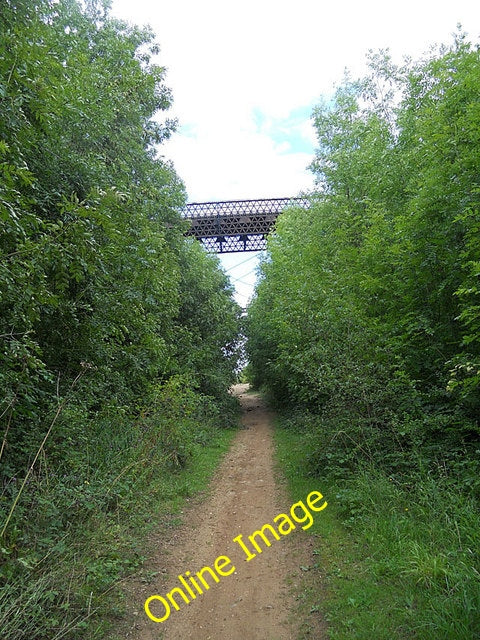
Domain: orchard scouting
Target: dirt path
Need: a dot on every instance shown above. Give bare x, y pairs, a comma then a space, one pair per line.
253, 602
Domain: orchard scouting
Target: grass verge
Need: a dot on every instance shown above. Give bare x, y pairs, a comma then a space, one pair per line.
394, 561
167, 501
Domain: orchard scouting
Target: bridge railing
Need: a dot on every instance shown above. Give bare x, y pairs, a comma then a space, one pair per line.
241, 207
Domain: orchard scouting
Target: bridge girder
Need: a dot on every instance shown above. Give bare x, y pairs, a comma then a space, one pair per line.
236, 225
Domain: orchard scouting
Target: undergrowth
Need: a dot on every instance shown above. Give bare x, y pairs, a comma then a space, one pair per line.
79, 526
400, 552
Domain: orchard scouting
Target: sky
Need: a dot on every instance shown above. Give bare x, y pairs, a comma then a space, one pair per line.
246, 75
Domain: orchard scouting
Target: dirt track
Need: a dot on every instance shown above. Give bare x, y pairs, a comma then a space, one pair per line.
254, 601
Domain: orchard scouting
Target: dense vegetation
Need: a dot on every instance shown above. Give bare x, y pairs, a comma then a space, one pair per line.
117, 335
365, 328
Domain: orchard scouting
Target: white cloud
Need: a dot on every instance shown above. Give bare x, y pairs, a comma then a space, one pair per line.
231, 62
228, 163
228, 60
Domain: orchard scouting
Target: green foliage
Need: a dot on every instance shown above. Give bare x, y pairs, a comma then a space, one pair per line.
365, 326
87, 519
117, 335
84, 205
94, 268
395, 555
208, 322
369, 299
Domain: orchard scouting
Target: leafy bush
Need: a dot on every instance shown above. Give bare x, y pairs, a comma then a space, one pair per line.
365, 314
364, 330
117, 335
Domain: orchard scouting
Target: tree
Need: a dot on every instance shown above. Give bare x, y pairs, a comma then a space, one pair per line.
377, 280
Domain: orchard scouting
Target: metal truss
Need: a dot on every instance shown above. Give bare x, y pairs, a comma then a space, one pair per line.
236, 225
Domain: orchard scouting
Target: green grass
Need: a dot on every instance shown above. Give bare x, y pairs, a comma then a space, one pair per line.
75, 592
394, 562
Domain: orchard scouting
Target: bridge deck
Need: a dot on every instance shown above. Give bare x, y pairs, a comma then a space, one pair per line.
236, 225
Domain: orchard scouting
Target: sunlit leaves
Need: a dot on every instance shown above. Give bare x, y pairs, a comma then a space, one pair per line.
380, 277
93, 263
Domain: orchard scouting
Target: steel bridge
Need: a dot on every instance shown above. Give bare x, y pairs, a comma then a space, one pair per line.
236, 225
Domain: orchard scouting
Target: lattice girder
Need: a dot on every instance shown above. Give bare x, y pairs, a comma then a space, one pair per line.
236, 225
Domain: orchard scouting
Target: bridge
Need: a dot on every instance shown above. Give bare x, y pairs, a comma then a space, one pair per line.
236, 225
